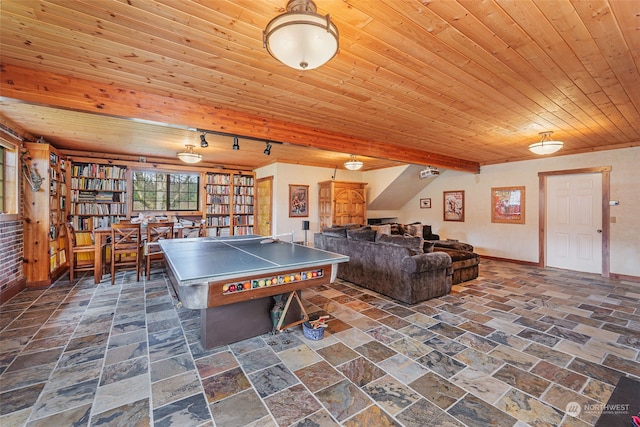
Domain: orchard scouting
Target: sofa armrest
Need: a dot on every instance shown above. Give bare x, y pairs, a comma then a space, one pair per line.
426, 262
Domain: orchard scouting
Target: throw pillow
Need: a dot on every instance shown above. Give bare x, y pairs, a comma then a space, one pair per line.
396, 228
427, 247
413, 243
414, 229
361, 234
334, 231
381, 229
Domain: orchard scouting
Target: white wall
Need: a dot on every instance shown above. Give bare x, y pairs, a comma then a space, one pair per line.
286, 174
510, 241
520, 242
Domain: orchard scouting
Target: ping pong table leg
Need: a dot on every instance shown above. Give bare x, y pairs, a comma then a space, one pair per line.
305, 316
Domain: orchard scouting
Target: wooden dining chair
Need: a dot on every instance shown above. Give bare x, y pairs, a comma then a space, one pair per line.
126, 248
152, 252
80, 255
202, 230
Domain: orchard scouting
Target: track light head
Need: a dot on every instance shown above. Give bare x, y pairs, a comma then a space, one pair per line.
267, 150
203, 141
236, 146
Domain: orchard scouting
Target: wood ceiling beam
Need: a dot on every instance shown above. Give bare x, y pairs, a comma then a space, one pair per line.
54, 90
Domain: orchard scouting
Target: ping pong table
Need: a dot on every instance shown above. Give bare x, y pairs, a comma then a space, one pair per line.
232, 281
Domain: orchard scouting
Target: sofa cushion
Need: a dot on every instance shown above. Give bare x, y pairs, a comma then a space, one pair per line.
414, 229
427, 247
362, 234
453, 244
334, 231
381, 229
413, 243
348, 225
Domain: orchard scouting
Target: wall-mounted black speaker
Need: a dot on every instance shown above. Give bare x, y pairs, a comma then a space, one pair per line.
305, 225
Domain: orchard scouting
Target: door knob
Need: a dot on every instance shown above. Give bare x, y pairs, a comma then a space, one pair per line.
599, 231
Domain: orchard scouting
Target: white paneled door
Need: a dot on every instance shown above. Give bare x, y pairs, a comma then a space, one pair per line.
574, 222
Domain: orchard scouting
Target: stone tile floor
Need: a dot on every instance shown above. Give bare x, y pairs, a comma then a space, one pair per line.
514, 347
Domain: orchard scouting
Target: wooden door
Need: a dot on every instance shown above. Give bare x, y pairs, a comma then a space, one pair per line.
350, 206
574, 222
264, 206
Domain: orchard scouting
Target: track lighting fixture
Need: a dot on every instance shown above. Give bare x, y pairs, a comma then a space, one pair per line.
236, 139
203, 141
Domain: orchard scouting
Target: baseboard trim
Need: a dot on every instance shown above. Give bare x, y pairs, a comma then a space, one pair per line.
12, 290
514, 261
535, 264
624, 277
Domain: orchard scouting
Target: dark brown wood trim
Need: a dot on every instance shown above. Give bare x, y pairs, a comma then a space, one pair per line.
12, 289
606, 220
542, 206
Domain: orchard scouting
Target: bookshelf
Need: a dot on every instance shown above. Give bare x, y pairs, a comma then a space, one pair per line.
218, 203
98, 195
229, 203
45, 212
243, 203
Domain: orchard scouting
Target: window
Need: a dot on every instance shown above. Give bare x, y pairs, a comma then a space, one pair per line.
8, 181
159, 191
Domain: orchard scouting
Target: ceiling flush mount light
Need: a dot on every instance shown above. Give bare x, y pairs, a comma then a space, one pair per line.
267, 150
236, 145
203, 141
353, 164
546, 145
188, 156
300, 38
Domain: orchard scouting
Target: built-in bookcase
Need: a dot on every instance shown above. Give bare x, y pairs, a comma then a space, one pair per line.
45, 212
229, 203
243, 203
98, 195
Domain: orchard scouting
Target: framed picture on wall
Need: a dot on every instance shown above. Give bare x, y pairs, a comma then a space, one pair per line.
507, 205
453, 205
425, 203
298, 200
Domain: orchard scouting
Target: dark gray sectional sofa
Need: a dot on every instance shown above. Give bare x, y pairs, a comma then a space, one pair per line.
393, 265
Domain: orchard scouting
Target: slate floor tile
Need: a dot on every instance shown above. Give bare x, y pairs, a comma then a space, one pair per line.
513, 347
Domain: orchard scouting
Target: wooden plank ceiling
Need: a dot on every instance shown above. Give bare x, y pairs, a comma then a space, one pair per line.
455, 84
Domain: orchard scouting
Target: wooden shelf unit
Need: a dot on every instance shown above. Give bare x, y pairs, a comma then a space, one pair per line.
229, 204
98, 195
342, 202
243, 203
45, 212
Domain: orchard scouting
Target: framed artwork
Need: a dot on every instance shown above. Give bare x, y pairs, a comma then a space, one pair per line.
298, 200
425, 203
507, 205
453, 205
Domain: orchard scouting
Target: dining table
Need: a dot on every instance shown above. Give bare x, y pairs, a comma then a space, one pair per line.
101, 237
